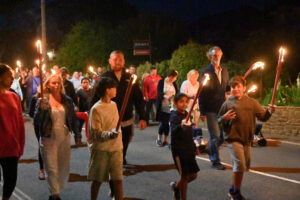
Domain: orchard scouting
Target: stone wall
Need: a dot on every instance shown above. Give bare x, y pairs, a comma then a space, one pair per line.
284, 121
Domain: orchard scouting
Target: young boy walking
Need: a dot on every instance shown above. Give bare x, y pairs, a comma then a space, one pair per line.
105, 143
183, 147
237, 117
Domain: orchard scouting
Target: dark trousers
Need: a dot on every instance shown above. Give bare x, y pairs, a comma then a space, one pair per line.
149, 107
9, 167
127, 134
164, 124
37, 134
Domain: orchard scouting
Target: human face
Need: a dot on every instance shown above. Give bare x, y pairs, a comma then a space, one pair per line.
194, 78
85, 84
111, 92
54, 85
215, 59
35, 71
238, 90
6, 80
182, 104
172, 79
117, 61
153, 72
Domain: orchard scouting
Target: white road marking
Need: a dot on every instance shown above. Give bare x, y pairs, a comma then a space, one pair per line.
256, 172
20, 193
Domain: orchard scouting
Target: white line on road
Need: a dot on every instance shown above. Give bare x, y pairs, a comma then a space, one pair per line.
256, 172
19, 191
282, 141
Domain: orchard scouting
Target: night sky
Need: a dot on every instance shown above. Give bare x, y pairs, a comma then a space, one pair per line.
194, 9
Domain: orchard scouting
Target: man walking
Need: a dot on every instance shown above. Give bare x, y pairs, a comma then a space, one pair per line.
118, 73
210, 101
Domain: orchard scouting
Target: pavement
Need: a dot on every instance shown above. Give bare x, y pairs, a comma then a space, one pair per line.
274, 174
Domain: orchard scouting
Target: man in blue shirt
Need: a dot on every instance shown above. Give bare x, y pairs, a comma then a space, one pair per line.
211, 100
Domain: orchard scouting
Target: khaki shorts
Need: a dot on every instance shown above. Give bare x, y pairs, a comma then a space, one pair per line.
105, 166
240, 156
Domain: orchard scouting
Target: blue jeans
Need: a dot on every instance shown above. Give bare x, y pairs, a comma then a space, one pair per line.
216, 137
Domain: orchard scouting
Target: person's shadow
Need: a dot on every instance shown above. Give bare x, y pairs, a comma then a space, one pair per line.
134, 169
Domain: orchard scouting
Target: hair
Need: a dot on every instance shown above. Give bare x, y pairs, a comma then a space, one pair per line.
85, 78
64, 70
211, 51
100, 89
4, 68
152, 68
178, 96
236, 80
116, 52
172, 73
48, 80
191, 73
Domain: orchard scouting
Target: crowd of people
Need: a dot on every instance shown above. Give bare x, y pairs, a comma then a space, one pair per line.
54, 118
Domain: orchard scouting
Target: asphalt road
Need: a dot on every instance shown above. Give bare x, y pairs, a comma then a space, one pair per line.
275, 172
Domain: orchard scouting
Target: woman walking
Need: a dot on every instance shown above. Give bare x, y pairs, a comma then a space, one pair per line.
57, 118
12, 131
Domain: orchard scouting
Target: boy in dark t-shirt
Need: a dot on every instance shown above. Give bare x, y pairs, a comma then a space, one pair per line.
183, 147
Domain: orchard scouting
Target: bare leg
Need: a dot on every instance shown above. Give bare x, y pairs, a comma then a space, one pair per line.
118, 189
237, 178
95, 189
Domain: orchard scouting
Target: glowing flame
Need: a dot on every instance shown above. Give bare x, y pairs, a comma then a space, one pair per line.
43, 67
258, 65
127, 70
39, 46
17, 70
19, 63
252, 89
205, 79
281, 53
37, 62
134, 78
92, 69
53, 71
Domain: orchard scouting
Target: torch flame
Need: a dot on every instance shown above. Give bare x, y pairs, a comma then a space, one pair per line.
19, 63
92, 69
53, 71
43, 67
252, 89
205, 79
258, 65
17, 70
39, 46
37, 62
134, 78
282, 52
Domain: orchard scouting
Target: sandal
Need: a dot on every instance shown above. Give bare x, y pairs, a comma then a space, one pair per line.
42, 175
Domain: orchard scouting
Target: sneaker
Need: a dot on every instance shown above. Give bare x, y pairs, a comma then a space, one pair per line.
231, 194
159, 143
165, 143
176, 191
235, 196
218, 166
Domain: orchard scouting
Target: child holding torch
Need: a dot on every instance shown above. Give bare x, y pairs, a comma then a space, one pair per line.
105, 143
183, 147
237, 118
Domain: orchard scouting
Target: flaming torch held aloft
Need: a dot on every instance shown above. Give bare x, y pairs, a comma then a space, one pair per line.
252, 89
19, 67
203, 82
280, 61
254, 67
132, 80
40, 64
91, 68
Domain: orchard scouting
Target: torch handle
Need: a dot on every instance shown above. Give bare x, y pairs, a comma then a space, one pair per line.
124, 105
276, 81
248, 72
41, 75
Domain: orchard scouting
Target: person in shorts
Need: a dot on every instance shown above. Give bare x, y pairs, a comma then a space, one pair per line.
105, 143
237, 118
183, 147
